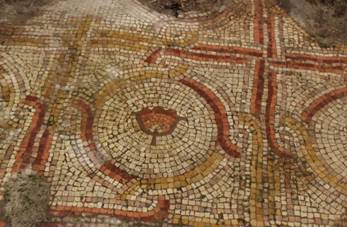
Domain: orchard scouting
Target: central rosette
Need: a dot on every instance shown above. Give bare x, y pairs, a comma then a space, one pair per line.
157, 121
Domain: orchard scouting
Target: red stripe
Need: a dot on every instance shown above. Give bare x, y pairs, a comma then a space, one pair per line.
270, 118
258, 22
87, 136
219, 113
316, 59
258, 87
23, 156
43, 152
308, 66
321, 102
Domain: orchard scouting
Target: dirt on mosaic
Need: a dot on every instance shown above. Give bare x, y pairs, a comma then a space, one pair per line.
176, 7
26, 200
19, 11
326, 20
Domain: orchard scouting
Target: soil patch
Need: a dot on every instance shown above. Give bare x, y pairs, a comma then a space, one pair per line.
326, 20
178, 7
26, 200
19, 11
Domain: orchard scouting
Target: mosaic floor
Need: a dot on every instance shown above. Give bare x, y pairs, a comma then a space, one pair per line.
233, 119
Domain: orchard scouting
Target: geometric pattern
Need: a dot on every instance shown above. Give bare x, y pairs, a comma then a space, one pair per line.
235, 119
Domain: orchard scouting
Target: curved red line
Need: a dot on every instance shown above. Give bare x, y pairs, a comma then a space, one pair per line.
159, 213
115, 173
43, 152
321, 102
24, 154
270, 118
87, 135
153, 57
219, 113
87, 120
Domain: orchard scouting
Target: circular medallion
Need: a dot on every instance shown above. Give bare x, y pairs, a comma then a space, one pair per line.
157, 128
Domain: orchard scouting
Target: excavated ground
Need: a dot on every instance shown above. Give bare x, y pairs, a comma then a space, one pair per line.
176, 7
324, 19
18, 11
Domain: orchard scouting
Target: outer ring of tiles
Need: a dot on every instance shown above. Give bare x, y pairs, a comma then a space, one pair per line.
11, 86
118, 133
331, 135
